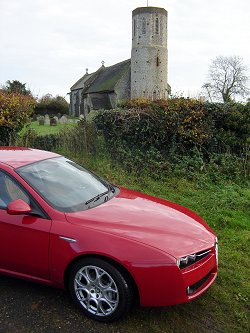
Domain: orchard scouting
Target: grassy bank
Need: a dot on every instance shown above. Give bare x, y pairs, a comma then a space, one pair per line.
225, 206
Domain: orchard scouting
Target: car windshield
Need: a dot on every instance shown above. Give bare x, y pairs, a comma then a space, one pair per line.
65, 185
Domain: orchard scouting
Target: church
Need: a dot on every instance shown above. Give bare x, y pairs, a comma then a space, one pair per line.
145, 75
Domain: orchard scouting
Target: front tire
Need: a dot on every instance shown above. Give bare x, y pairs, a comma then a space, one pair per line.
100, 289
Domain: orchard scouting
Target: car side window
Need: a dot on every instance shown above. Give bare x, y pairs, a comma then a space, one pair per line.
10, 191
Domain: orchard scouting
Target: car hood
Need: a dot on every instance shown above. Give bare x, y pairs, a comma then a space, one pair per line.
156, 222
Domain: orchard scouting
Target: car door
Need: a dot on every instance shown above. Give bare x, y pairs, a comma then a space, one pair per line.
24, 239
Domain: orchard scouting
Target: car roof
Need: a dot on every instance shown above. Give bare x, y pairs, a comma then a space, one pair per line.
20, 156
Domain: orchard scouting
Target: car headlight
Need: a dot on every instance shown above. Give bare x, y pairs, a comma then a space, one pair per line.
216, 250
186, 261
190, 259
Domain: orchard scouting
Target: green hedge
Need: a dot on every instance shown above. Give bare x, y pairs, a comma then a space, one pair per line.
165, 134
180, 136
45, 142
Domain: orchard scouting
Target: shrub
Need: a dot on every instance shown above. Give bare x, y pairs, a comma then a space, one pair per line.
81, 138
52, 105
15, 112
177, 134
45, 142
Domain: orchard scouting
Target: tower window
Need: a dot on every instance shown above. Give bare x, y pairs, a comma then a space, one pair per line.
157, 62
143, 25
157, 25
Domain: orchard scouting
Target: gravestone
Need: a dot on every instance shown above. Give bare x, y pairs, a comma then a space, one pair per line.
53, 121
46, 120
63, 120
40, 120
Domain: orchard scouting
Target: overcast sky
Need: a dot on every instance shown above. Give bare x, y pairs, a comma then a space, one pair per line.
48, 44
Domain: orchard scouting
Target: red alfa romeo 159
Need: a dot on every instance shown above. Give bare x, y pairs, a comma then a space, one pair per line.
62, 225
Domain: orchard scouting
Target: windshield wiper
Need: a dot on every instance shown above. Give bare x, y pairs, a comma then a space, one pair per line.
97, 197
110, 187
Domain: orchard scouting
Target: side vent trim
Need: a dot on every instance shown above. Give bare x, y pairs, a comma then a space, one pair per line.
67, 239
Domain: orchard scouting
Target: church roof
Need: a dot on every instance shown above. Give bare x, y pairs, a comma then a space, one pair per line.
81, 82
106, 78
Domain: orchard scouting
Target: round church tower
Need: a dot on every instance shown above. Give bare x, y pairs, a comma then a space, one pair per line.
149, 56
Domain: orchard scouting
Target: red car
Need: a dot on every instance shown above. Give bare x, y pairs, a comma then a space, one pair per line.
63, 226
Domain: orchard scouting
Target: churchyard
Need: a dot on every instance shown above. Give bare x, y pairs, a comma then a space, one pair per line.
42, 125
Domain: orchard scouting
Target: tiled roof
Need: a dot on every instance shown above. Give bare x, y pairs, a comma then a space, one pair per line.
105, 78
81, 82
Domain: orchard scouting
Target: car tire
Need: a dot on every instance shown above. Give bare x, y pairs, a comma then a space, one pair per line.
100, 289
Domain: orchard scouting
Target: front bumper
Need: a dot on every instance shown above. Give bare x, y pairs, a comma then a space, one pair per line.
198, 278
170, 285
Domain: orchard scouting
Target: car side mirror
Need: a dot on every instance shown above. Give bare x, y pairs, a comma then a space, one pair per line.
18, 207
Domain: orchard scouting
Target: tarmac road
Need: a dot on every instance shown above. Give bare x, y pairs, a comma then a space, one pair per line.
27, 307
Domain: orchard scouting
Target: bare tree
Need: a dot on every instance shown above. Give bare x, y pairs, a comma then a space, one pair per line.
227, 78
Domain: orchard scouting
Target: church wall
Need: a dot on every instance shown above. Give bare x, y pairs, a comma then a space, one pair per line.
100, 101
113, 100
71, 111
122, 88
75, 102
86, 105
149, 56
